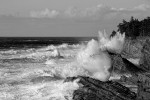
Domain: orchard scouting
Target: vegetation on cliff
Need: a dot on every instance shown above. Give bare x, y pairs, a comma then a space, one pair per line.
134, 28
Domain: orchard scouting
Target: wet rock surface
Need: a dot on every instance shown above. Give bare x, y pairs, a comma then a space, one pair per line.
145, 58
138, 49
92, 89
142, 81
140, 73
122, 65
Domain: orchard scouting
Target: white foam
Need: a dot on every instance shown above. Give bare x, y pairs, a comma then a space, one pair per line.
112, 44
47, 48
41, 54
10, 52
63, 46
55, 53
70, 69
95, 61
56, 90
63, 91
50, 62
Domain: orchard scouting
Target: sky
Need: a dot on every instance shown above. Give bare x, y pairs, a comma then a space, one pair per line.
15, 6
68, 17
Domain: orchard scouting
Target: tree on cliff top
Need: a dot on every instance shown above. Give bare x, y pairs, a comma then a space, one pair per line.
134, 27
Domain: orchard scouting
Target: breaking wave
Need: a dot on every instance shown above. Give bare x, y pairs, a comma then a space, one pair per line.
44, 81
48, 52
95, 61
112, 44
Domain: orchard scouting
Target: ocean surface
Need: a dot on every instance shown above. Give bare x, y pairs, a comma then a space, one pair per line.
33, 68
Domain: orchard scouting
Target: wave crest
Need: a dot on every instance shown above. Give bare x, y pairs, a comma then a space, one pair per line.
95, 61
113, 44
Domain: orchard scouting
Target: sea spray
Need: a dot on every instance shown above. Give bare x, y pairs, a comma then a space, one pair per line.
67, 70
103, 40
95, 61
54, 90
92, 59
112, 44
64, 90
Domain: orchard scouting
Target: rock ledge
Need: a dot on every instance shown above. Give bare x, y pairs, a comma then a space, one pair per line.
92, 89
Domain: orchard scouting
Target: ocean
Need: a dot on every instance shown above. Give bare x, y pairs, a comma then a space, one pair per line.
34, 42
33, 68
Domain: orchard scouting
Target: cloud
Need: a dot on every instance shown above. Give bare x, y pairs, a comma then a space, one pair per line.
97, 12
93, 12
105, 12
143, 7
139, 12
72, 12
44, 13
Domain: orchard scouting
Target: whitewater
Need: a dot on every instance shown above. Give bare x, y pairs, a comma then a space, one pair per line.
38, 73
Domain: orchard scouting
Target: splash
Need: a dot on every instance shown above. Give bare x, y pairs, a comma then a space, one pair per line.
94, 58
63, 91
95, 61
113, 44
55, 90
50, 62
40, 55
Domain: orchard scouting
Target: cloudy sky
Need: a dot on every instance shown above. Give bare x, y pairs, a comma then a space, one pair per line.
9, 6
68, 17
